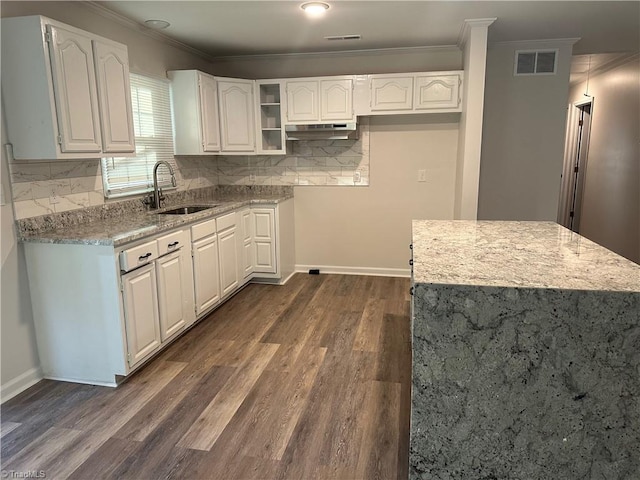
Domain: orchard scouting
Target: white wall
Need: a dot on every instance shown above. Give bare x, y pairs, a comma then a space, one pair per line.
523, 136
611, 198
359, 228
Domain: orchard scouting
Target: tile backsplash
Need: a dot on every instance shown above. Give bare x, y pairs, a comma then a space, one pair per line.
78, 184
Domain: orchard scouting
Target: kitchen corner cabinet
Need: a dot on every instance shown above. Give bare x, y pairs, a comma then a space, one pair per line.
237, 117
270, 129
323, 99
426, 92
66, 91
196, 125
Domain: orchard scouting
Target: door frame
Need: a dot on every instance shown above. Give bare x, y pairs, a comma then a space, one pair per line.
576, 152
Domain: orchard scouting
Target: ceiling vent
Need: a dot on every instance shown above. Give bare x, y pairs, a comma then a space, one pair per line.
536, 62
343, 37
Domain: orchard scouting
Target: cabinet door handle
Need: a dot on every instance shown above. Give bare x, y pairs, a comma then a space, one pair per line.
411, 262
411, 291
173, 244
411, 246
144, 257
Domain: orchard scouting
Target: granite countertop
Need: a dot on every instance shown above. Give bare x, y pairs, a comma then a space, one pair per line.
516, 254
133, 226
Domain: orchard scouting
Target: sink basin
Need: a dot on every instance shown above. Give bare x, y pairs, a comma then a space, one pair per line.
186, 210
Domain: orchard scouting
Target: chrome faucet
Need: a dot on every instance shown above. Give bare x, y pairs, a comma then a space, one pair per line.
157, 197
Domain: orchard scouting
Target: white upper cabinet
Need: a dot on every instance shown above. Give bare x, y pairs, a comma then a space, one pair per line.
436, 91
324, 99
237, 117
336, 99
65, 91
427, 92
74, 84
114, 96
195, 112
391, 92
269, 125
208, 90
302, 101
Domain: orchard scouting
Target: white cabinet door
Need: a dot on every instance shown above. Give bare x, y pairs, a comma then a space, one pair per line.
336, 100
140, 300
264, 258
209, 113
391, 92
206, 274
247, 242
228, 252
114, 96
237, 119
437, 91
171, 294
302, 101
74, 84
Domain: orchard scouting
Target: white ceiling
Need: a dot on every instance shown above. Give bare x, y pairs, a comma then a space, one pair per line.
241, 27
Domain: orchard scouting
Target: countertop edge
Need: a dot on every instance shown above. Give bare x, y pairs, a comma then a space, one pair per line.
169, 223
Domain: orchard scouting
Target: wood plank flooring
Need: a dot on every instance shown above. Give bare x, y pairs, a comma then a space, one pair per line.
310, 380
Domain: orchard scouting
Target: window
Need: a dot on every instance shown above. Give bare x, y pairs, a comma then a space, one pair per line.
151, 102
535, 62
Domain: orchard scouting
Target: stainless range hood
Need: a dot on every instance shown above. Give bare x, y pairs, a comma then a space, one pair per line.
325, 131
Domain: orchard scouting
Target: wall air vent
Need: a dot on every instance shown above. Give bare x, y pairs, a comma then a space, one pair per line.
343, 37
536, 62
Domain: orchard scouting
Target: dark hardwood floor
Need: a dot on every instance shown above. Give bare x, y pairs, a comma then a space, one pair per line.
310, 380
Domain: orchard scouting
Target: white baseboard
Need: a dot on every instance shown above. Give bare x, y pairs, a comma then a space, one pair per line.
84, 382
20, 384
376, 272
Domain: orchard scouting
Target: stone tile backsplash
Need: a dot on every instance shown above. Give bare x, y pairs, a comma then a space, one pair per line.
78, 184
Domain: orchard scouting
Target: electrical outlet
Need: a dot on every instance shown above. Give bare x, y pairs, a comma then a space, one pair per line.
422, 175
252, 177
53, 199
357, 177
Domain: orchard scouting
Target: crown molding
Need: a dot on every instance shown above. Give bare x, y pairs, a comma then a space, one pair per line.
472, 23
133, 25
337, 54
556, 41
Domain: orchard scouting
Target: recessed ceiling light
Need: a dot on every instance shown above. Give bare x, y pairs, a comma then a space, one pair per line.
315, 9
157, 24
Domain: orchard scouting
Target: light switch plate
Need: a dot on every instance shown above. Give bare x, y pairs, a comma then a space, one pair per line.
422, 175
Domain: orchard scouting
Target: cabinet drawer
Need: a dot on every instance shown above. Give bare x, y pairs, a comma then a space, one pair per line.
203, 229
137, 256
226, 221
173, 241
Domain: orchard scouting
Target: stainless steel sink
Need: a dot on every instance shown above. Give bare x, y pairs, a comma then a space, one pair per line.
187, 210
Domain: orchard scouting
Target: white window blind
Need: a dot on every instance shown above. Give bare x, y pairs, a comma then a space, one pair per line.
151, 101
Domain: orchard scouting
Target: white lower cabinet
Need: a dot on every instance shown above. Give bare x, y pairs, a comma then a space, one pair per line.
140, 299
206, 273
246, 244
170, 273
101, 311
264, 224
228, 249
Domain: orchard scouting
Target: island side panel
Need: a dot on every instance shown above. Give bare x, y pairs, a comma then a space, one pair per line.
79, 329
525, 383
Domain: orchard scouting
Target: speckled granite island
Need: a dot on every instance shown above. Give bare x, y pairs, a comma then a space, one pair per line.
526, 354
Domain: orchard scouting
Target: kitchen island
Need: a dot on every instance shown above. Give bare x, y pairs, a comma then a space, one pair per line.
526, 354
